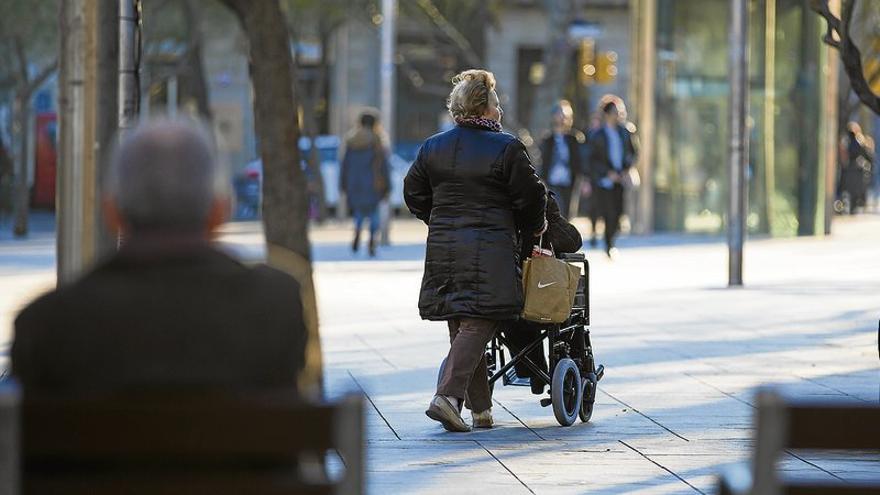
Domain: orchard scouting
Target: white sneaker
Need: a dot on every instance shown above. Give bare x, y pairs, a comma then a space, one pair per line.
483, 419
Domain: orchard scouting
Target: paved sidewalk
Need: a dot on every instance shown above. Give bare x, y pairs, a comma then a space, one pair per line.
683, 354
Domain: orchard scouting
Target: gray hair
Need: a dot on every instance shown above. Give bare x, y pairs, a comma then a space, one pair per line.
165, 176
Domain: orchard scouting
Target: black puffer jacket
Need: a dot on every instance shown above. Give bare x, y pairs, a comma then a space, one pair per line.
561, 236
475, 189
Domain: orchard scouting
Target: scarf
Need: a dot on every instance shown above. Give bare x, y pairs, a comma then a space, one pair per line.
488, 124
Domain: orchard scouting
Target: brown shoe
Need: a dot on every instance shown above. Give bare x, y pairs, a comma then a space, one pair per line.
483, 419
443, 411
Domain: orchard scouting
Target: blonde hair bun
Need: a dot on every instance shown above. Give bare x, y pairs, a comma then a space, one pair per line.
470, 93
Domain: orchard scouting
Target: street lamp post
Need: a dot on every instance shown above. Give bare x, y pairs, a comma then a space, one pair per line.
388, 34
738, 147
128, 80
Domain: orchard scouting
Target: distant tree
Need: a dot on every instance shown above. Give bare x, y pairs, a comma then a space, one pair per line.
285, 198
176, 26
28, 51
856, 35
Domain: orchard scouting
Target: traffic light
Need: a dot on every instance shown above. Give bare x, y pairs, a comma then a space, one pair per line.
587, 62
593, 68
606, 68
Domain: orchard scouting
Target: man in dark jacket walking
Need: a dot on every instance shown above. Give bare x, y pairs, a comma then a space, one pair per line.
365, 177
612, 153
475, 188
561, 164
167, 310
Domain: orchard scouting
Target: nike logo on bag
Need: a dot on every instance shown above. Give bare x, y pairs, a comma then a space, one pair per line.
541, 286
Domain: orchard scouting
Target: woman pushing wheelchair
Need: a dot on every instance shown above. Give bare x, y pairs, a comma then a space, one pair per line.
475, 188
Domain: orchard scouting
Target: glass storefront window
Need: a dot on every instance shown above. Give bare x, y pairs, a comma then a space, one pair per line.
692, 94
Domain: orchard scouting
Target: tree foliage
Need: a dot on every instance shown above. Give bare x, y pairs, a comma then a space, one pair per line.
28, 28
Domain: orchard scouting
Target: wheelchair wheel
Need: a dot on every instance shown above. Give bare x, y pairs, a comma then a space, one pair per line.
589, 397
566, 392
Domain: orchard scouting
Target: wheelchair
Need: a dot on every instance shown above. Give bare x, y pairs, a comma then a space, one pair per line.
573, 374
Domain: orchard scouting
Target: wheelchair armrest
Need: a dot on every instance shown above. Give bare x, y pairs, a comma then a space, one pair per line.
573, 257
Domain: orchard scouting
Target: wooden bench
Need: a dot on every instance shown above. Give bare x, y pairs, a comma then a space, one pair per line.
188, 443
786, 423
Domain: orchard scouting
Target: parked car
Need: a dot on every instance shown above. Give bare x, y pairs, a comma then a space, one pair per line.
248, 181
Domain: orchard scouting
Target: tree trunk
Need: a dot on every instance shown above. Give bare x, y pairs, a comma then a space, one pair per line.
22, 194
7, 176
285, 197
313, 161
196, 81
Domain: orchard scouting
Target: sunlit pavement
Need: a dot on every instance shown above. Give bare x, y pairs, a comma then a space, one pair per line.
683, 354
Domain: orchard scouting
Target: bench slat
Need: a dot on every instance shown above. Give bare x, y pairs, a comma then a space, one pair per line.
819, 425
177, 428
214, 484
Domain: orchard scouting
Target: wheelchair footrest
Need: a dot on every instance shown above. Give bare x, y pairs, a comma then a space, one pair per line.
511, 378
600, 372
546, 402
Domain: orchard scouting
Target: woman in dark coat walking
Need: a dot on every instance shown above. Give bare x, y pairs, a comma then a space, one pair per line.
476, 189
364, 177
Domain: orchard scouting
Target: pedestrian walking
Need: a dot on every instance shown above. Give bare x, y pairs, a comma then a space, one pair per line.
561, 163
856, 164
365, 177
612, 153
475, 188
589, 197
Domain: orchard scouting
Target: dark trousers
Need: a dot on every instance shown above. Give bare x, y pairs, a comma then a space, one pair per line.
611, 206
521, 334
465, 375
563, 193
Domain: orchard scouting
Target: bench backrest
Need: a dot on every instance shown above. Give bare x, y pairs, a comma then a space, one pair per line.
791, 423
187, 443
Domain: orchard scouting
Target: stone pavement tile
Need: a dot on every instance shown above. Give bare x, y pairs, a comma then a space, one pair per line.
416, 426
436, 467
554, 471
790, 466
453, 455
672, 486
850, 466
573, 445
457, 483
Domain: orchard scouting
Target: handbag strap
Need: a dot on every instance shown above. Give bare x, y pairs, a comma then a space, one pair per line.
541, 243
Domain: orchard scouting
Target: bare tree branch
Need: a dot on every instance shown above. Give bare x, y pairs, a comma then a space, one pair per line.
852, 61
41, 77
451, 32
821, 7
21, 59
850, 56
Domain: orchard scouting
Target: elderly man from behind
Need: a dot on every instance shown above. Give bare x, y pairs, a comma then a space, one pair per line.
168, 309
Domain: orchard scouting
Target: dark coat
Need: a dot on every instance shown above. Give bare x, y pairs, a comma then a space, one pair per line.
561, 236
575, 140
189, 317
365, 172
599, 162
475, 189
